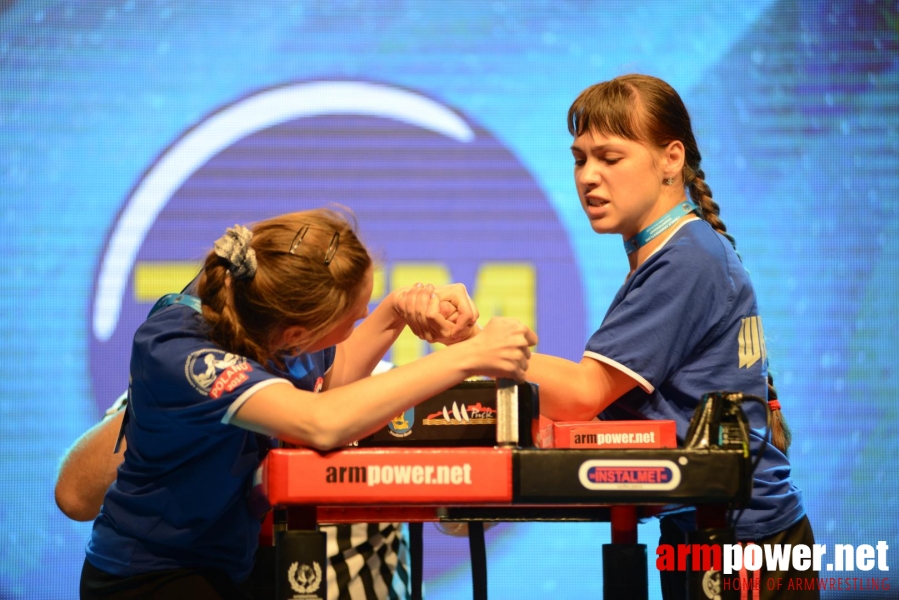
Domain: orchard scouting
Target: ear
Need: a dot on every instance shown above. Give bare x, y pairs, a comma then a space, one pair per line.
292, 337
673, 156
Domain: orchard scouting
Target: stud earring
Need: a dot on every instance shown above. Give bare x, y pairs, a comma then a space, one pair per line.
668, 181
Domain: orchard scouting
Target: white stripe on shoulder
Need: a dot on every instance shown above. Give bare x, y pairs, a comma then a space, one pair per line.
643, 383
246, 396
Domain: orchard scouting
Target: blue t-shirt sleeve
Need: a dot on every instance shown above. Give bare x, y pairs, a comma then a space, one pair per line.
189, 381
662, 314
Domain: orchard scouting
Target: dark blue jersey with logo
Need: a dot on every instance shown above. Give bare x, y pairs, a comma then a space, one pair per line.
180, 498
684, 324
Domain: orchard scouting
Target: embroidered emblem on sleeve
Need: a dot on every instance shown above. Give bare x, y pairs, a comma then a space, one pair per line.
751, 341
212, 372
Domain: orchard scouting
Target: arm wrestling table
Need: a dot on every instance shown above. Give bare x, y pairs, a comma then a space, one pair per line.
503, 483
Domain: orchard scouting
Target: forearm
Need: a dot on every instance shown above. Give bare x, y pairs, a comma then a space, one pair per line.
571, 391
395, 391
343, 414
369, 342
87, 470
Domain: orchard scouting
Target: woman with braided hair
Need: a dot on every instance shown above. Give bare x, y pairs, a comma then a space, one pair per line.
685, 322
264, 344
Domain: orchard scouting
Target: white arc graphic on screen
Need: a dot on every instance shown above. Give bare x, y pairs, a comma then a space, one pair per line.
221, 130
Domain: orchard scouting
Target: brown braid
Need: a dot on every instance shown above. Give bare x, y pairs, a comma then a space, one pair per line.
701, 193
218, 310
781, 436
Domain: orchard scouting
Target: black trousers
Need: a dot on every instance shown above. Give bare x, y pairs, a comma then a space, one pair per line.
170, 584
762, 584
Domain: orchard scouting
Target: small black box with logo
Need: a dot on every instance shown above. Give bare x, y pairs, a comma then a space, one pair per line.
464, 415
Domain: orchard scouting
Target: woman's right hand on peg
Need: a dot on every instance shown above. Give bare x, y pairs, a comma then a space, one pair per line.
501, 349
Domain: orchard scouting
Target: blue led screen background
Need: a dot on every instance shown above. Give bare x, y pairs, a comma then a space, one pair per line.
795, 106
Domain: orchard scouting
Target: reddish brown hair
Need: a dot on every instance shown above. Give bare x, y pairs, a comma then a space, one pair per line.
246, 316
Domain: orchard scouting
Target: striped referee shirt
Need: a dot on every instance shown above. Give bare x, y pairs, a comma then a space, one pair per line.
367, 561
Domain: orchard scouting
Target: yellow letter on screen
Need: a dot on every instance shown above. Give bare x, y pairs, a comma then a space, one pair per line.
507, 290
378, 284
153, 280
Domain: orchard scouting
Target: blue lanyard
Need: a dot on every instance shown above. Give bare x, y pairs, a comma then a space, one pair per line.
169, 299
662, 224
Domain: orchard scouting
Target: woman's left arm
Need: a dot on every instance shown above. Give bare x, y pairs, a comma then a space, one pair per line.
571, 391
359, 354
442, 314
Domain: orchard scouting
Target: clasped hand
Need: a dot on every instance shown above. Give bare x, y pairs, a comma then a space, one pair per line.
438, 314
446, 314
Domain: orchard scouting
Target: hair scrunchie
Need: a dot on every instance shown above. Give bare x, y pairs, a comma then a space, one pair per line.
234, 247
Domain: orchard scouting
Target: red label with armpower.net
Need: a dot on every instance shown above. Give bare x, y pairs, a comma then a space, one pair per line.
614, 434
388, 476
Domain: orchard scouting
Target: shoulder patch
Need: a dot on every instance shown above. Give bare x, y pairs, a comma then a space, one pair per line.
751, 342
212, 371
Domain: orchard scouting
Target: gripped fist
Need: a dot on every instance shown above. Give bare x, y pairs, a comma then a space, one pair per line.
443, 314
502, 349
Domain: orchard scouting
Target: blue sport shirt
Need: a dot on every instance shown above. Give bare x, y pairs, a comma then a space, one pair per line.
180, 498
684, 324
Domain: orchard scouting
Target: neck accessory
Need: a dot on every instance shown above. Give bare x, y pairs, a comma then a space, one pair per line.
658, 227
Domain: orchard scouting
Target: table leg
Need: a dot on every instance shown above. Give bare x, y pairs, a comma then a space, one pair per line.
712, 533
478, 560
415, 557
624, 560
301, 562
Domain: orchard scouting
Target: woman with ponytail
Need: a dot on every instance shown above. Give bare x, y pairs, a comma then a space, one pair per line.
264, 345
685, 322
